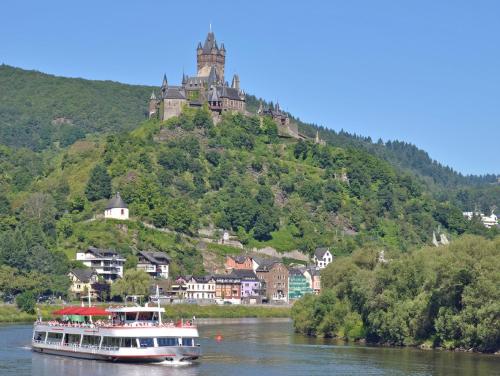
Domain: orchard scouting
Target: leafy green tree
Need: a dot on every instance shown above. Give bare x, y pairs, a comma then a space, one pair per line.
99, 184
134, 282
203, 119
26, 302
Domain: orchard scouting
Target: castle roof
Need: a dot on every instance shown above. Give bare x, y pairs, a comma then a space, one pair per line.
210, 43
212, 77
153, 95
213, 96
116, 202
174, 92
230, 93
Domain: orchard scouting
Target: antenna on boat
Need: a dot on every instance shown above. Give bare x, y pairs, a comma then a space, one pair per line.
158, 302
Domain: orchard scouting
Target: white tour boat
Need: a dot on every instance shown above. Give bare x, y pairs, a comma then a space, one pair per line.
133, 334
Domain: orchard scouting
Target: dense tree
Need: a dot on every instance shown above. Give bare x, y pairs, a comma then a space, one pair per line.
445, 295
134, 282
99, 184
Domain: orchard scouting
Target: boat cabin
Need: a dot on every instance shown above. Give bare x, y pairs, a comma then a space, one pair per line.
136, 315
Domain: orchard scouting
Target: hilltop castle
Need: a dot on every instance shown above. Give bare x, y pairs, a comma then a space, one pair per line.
208, 86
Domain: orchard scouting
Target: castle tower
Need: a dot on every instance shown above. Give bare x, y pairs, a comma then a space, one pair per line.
210, 55
164, 86
153, 103
236, 82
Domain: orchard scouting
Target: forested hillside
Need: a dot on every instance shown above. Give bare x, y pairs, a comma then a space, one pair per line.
446, 297
38, 110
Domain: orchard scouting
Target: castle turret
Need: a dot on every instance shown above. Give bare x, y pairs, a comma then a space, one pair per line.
164, 86
210, 54
236, 82
153, 105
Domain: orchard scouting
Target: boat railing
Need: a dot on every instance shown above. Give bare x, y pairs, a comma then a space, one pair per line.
115, 325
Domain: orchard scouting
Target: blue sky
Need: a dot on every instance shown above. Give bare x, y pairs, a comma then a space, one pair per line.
426, 72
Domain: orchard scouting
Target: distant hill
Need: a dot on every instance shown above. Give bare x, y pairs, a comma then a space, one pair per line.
38, 110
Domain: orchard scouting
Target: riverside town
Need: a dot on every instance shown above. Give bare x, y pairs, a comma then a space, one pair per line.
277, 189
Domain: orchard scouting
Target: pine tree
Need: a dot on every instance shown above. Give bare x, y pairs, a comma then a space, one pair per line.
99, 184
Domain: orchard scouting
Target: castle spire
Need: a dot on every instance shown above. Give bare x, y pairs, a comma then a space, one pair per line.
165, 82
153, 95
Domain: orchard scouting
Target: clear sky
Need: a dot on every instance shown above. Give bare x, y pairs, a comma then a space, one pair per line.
426, 72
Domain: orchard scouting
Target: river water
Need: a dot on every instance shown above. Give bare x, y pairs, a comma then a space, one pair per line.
252, 347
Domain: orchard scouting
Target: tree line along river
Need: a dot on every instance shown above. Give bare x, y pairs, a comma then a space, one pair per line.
253, 347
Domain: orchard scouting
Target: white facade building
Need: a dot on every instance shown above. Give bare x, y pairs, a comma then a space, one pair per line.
322, 257
156, 264
116, 208
488, 221
201, 288
105, 262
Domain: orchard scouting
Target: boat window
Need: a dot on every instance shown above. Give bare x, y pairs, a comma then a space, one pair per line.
110, 342
146, 342
167, 341
54, 337
145, 316
128, 342
39, 336
131, 316
187, 342
72, 339
91, 340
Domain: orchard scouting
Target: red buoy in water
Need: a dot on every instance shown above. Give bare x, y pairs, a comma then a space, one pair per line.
218, 337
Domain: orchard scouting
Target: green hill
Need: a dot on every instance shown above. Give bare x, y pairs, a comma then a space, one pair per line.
38, 110
186, 175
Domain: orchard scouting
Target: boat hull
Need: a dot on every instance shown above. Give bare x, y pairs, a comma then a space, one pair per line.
174, 355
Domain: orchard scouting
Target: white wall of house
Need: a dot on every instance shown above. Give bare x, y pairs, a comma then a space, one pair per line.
116, 213
152, 269
107, 267
324, 261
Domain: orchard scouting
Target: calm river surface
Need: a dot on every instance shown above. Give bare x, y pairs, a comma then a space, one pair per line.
252, 347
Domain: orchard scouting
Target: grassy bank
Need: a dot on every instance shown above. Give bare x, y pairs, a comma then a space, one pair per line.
10, 313
225, 311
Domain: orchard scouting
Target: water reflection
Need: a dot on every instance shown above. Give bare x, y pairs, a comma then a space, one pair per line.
254, 347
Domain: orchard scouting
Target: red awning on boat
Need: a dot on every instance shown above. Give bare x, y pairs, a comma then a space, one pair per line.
82, 311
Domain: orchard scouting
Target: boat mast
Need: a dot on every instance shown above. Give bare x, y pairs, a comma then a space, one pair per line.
158, 302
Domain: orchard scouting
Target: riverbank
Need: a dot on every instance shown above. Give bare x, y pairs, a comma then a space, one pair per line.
11, 314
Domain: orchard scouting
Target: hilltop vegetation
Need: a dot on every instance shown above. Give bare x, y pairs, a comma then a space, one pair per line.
39, 111
186, 174
437, 297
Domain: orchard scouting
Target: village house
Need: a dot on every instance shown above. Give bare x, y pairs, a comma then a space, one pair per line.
201, 288
298, 284
274, 274
227, 289
116, 208
251, 287
105, 262
488, 221
241, 262
322, 257
81, 282
313, 277
156, 264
